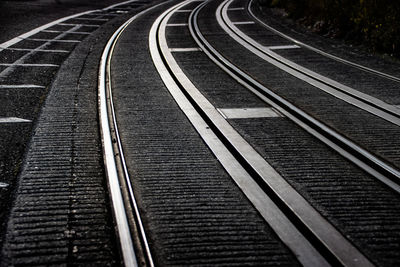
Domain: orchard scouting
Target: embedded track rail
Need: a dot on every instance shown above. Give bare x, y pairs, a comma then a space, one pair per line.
311, 237
377, 167
319, 51
132, 237
361, 100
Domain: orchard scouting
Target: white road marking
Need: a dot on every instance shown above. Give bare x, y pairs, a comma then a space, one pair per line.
177, 24
187, 49
84, 33
277, 47
93, 19
18, 86
36, 50
247, 113
183, 11
235, 8
27, 65
13, 120
78, 24
119, 4
3, 185
22, 60
35, 31
51, 31
243, 22
53, 40
59, 21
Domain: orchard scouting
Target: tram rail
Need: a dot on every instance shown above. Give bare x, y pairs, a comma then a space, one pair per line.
372, 164
263, 184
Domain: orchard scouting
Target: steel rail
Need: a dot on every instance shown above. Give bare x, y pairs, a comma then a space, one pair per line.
109, 130
319, 51
350, 95
172, 77
247, 167
347, 148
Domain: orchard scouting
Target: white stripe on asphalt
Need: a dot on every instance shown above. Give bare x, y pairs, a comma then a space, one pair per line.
17, 86
188, 49
248, 113
13, 120
277, 47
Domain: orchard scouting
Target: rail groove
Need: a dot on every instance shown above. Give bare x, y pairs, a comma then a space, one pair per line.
115, 164
344, 146
298, 222
361, 100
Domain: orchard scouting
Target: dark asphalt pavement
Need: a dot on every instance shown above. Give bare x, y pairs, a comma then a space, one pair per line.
18, 17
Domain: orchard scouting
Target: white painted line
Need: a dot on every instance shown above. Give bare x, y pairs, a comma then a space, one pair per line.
52, 40
277, 47
235, 8
3, 185
84, 33
22, 59
13, 120
78, 24
177, 24
28, 65
35, 50
51, 31
18, 86
93, 19
119, 4
188, 49
248, 113
183, 10
56, 22
36, 30
243, 22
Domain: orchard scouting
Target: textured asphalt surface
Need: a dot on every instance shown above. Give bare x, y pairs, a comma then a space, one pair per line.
193, 212
55, 209
359, 206
19, 16
60, 210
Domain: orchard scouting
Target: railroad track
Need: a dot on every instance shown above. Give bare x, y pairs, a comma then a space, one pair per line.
314, 239
216, 147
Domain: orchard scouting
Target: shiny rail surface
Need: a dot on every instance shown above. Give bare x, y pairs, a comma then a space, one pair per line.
344, 146
243, 163
361, 100
114, 160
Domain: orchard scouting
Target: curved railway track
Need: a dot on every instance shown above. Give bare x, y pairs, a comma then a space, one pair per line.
308, 234
373, 164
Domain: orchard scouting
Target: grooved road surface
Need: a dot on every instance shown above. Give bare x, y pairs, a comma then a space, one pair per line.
223, 170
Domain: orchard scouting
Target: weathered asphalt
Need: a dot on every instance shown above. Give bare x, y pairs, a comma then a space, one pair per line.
363, 209
192, 210
55, 209
20, 16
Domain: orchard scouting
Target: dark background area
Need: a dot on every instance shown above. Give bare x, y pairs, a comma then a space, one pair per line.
374, 24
